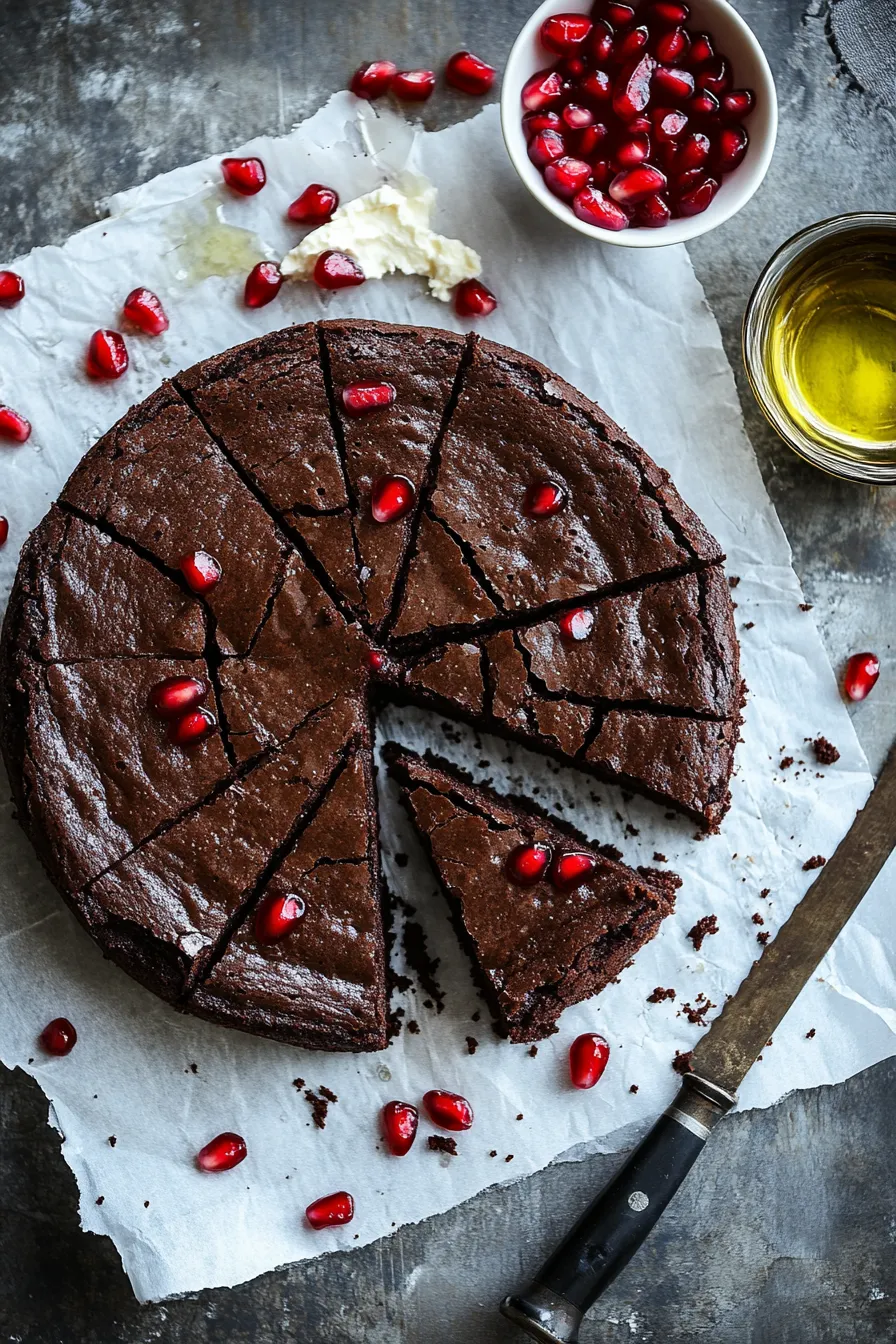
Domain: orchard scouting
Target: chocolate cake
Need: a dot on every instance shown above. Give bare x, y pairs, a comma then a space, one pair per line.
247, 564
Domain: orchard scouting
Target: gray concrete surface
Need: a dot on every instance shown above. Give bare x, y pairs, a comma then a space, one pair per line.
785, 1233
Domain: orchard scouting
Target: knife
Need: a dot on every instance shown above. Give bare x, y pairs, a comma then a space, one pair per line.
615, 1224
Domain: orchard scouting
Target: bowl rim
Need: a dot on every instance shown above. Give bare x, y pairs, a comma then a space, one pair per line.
683, 230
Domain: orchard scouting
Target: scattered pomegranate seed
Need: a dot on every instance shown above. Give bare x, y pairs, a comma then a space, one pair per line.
373, 80
399, 1120
862, 672
533, 122
448, 1110
588, 1057
630, 153
201, 571
730, 149
474, 299
277, 915
576, 625
59, 1037
361, 398
565, 33
331, 1210
571, 870
738, 103
144, 310
315, 205
592, 206
337, 270
631, 91
262, 284
13, 426
244, 176
545, 147
697, 199
107, 355
527, 864
193, 727
413, 86
543, 499
376, 660
634, 184
601, 44
542, 90
175, 695
702, 49
4, 530
222, 1153
631, 43
391, 497
567, 176
468, 73
12, 289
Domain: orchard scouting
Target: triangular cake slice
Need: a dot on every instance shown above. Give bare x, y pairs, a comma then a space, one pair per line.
323, 985
535, 948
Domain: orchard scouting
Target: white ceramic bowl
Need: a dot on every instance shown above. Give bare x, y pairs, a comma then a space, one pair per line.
734, 39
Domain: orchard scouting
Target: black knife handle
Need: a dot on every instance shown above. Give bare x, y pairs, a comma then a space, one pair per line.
616, 1223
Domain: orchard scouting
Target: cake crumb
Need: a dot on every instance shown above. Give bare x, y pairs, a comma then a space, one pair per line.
100, 1199
146, 1203
532, 1051
509, 1157
326, 1093
493, 1152
749, 625
733, 580
472, 1043
696, 1012
682, 1062
805, 606
630, 829
475, 1017
414, 1026
633, 1088
763, 937
765, 892
660, 994
438, 1143
825, 752
112, 1140
785, 763
421, 963
319, 1107
810, 1033
704, 927
401, 860
658, 857
817, 861
757, 918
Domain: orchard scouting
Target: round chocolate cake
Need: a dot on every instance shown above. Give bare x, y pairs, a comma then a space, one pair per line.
267, 547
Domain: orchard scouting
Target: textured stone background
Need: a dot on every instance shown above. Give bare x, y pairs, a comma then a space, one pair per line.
786, 1231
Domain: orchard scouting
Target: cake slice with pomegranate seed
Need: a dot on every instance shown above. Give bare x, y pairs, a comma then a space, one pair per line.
547, 918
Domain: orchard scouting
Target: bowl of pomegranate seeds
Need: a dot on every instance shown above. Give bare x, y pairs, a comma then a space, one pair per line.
640, 124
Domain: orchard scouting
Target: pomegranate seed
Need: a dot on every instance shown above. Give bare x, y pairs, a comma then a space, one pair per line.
634, 184
337, 270
399, 1119
576, 625
194, 726
631, 152
533, 122
631, 43
144, 310
730, 149
527, 864
566, 176
361, 398
588, 141
687, 181
12, 289
672, 46
474, 299
201, 571
668, 124
262, 284
331, 1210
107, 355
597, 86
693, 152
391, 497
543, 499
245, 176
703, 104
13, 426
862, 672
715, 76
413, 86
697, 199
738, 103
468, 73
601, 177
588, 1057
592, 206
222, 1153
702, 49
373, 80
641, 125
175, 695
59, 1037
542, 90
545, 147
315, 205
631, 92
578, 117
276, 917
666, 12
448, 1110
376, 660
619, 15
601, 44
572, 67
565, 33
653, 213
673, 82
4, 530
571, 870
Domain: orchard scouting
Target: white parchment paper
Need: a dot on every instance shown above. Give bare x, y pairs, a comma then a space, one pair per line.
631, 330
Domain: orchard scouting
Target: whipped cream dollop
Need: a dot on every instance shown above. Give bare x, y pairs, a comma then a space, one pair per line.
388, 230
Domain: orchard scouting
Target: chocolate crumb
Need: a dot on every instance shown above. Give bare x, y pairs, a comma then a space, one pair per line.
696, 1012
630, 829
401, 860
785, 763
763, 937
509, 1157
421, 963
633, 1088
520, 1116
476, 1016
810, 1033
472, 1043
146, 1203
112, 1140
682, 1062
704, 927
493, 1152
438, 1143
749, 625
733, 580
825, 752
658, 857
532, 1051
757, 918
611, 852
428, 1003
319, 1107
325, 1092
659, 994
817, 861
100, 1199
805, 606
766, 891
414, 1027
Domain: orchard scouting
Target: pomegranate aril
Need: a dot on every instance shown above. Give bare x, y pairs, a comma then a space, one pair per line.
399, 1122
631, 152
729, 149
565, 33
201, 571
594, 207
597, 86
172, 697
315, 205
533, 122
588, 1057
361, 398
566, 176
703, 104
587, 142
331, 1210
245, 176
668, 124
544, 89
618, 15
59, 1037
572, 67
635, 184
12, 289
107, 355
629, 44
862, 672
376, 660
702, 49
337, 270
468, 73
262, 284
223, 1153
673, 82
631, 91
686, 181
671, 47
666, 12
693, 152
391, 497
738, 103
543, 499
276, 917
576, 117
527, 864
715, 76
653, 213
13, 427
194, 726
601, 42
602, 175
413, 86
576, 625
571, 870
448, 1110
697, 199
144, 310
474, 299
373, 79
545, 147
4, 530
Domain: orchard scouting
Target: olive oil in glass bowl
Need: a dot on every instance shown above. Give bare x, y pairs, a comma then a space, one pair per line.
820, 345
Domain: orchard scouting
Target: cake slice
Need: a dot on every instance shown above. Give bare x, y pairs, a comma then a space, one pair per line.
537, 946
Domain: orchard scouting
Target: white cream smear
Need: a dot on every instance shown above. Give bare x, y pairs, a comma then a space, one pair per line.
388, 230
